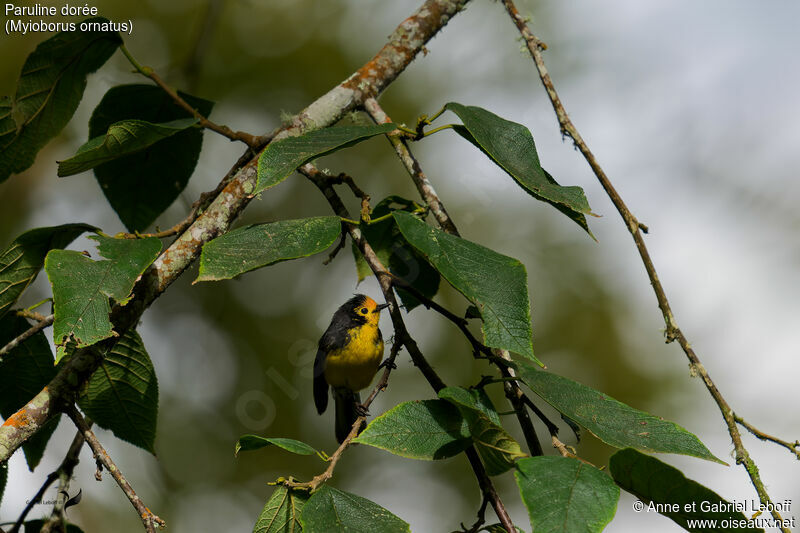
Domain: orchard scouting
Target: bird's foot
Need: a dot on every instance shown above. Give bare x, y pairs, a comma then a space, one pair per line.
387, 363
362, 410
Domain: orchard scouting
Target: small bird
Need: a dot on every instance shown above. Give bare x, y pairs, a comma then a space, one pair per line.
348, 357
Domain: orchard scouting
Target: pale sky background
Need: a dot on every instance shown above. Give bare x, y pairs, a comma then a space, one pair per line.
691, 108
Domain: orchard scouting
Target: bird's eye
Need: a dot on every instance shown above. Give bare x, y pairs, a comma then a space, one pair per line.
363, 310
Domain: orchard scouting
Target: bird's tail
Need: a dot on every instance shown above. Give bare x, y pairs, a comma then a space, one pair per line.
346, 411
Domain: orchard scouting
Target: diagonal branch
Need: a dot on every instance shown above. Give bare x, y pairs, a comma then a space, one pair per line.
511, 388
25, 335
635, 228
149, 520
793, 447
318, 480
402, 47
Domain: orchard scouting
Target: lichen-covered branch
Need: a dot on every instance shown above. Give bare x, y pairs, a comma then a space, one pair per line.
402, 47
673, 332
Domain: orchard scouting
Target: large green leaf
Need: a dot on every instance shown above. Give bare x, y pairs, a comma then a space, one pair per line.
21, 261
24, 371
254, 442
665, 490
496, 447
251, 247
331, 510
395, 253
82, 287
566, 495
49, 90
511, 147
142, 185
495, 283
281, 514
122, 138
280, 158
122, 394
427, 429
611, 421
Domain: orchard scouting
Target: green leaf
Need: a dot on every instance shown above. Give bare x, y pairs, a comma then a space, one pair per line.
511, 147
280, 158
24, 371
35, 526
496, 447
82, 287
331, 510
665, 490
49, 90
495, 283
21, 261
396, 253
140, 186
565, 494
427, 429
254, 442
122, 394
281, 514
611, 421
122, 138
251, 247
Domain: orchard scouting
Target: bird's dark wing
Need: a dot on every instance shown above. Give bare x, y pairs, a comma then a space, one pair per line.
320, 385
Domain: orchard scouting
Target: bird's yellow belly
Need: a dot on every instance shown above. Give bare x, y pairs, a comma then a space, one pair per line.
354, 365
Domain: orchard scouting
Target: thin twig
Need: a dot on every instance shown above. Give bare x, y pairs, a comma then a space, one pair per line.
65, 469
22, 337
424, 186
551, 427
250, 140
635, 228
318, 480
198, 206
481, 518
150, 520
793, 447
342, 242
32, 315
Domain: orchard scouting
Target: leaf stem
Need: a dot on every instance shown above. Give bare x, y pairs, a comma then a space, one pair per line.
254, 142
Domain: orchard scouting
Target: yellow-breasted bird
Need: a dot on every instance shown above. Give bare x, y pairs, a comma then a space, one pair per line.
348, 357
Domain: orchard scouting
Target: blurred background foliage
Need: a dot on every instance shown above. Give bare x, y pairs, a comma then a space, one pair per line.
665, 95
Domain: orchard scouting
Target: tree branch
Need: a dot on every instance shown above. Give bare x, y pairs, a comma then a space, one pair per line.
402, 47
149, 519
635, 228
22, 337
512, 390
318, 480
65, 469
793, 447
250, 140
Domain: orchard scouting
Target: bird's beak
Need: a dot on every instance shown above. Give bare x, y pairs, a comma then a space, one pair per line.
381, 307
